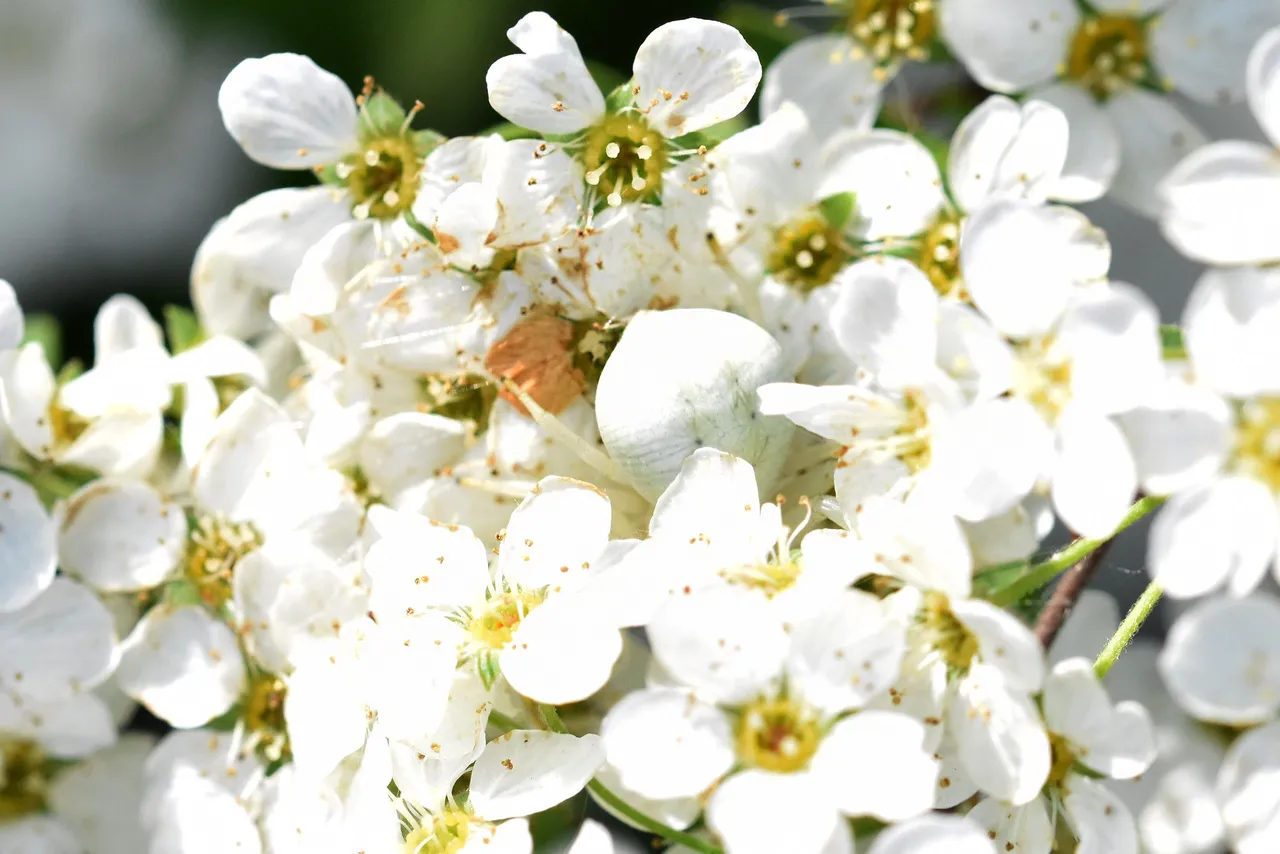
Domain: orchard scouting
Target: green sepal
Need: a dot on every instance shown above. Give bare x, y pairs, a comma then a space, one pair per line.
1172, 343
181, 592
837, 210
991, 578
766, 31
72, 369
416, 224
380, 117
328, 175
620, 98
424, 141
181, 328
487, 668
44, 329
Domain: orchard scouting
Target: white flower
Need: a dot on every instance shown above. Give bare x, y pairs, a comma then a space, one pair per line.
28, 544
1246, 791
802, 764
1218, 198
1091, 65
1114, 742
528, 620
687, 75
933, 834
1221, 661
829, 78
11, 321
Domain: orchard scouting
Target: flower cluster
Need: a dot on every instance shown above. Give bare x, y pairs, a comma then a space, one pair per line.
696, 466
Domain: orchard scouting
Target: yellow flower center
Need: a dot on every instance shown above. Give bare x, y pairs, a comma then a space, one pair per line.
1042, 376
807, 253
493, 626
625, 158
214, 547
1062, 758
264, 716
939, 256
24, 778
778, 735
446, 834
465, 398
383, 177
1108, 52
893, 30
946, 634
771, 578
1257, 449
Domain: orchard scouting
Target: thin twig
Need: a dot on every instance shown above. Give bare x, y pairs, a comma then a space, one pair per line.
1070, 586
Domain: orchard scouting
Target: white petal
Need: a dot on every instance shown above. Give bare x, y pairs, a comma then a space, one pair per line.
123, 442
326, 715
464, 225
1094, 474
539, 189
744, 813
1229, 329
692, 74
972, 352
122, 324
527, 771
1101, 821
121, 535
1002, 150
285, 111
1203, 48
988, 456
66, 729
28, 544
829, 411
61, 644
1180, 437
219, 356
877, 739
724, 642
1262, 83
1154, 135
1093, 149
885, 319
829, 78
1247, 791
183, 665
1004, 642
895, 178
679, 813
1133, 743
39, 834
562, 653
1222, 660
1004, 245
546, 87
555, 533
419, 564
1077, 706
665, 744
919, 543
1223, 532
28, 390
593, 838
331, 262
685, 379
1009, 45
100, 797
847, 652
426, 646
408, 448
1112, 334
1025, 828
933, 834
999, 735
11, 320
1217, 201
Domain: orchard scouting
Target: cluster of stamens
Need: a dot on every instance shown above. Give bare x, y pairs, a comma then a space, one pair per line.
625, 158
214, 546
945, 634
782, 570
24, 779
1257, 445
1108, 52
494, 624
778, 734
893, 30
1042, 376
939, 256
445, 833
382, 179
465, 398
264, 716
807, 253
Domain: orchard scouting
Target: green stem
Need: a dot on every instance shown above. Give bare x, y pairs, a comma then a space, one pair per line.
503, 722
1128, 628
1042, 573
605, 794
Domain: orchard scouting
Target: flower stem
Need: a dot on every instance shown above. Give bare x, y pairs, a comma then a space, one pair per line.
1044, 572
607, 796
1128, 628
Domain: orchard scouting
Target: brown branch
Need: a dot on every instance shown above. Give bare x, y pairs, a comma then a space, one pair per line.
1072, 583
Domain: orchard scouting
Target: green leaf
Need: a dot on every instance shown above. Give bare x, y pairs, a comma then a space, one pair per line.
182, 328
766, 31
837, 210
1172, 343
44, 329
487, 667
380, 117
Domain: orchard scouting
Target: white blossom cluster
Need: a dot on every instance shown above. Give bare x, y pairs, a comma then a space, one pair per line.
700, 466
